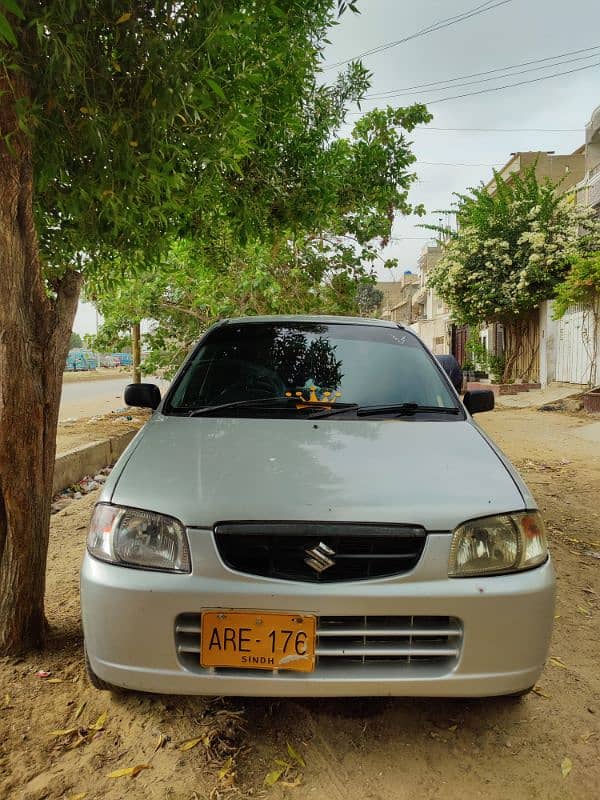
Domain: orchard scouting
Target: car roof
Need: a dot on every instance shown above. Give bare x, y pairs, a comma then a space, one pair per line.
384, 323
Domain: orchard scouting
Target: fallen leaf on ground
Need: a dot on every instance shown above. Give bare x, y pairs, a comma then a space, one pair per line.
272, 777
63, 732
587, 736
584, 611
566, 766
79, 711
129, 771
295, 755
78, 742
557, 662
226, 768
187, 745
162, 740
100, 722
54, 680
539, 691
79, 796
124, 17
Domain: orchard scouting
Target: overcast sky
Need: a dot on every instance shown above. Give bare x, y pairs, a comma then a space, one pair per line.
514, 32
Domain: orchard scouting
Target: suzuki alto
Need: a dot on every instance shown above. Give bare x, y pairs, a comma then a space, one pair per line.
311, 510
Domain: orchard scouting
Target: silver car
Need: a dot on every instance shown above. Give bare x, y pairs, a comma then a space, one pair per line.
311, 510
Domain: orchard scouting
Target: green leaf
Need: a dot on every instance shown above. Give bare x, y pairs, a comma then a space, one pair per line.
13, 8
216, 88
6, 32
295, 755
272, 777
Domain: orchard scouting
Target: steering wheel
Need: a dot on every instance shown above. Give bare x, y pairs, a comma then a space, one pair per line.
258, 382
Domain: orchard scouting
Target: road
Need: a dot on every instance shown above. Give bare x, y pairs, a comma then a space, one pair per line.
88, 398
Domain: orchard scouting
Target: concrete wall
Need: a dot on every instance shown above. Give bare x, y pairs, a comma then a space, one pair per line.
73, 465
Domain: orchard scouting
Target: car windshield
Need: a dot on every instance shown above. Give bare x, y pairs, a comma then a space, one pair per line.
307, 366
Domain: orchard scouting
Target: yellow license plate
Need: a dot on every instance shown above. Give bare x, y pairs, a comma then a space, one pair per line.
258, 640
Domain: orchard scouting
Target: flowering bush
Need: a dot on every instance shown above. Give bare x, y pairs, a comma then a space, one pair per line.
511, 251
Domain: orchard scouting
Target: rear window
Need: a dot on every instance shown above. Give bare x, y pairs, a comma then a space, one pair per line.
345, 363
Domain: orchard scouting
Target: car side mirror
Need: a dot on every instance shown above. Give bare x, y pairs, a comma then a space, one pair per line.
477, 400
142, 395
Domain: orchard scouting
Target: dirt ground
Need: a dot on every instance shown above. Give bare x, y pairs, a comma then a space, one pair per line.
100, 374
83, 431
545, 746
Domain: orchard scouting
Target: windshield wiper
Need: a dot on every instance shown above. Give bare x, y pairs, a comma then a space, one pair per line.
274, 401
400, 409
259, 401
406, 408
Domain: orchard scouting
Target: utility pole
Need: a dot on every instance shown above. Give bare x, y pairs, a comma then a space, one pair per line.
135, 352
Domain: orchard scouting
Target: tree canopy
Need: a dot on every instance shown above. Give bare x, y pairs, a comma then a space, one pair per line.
311, 250
124, 129
511, 248
581, 285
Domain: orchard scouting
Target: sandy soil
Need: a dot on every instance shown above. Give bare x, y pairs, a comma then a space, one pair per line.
94, 429
100, 374
367, 749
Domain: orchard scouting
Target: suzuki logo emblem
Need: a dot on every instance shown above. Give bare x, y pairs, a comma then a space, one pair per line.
319, 557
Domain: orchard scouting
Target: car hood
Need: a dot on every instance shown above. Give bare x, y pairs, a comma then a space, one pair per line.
205, 470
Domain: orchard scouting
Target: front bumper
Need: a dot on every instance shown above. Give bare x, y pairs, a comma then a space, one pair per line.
129, 619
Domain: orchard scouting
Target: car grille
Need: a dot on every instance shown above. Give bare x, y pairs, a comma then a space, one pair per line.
419, 641
297, 551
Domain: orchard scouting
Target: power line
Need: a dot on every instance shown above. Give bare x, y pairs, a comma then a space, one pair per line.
499, 130
487, 71
435, 87
435, 26
510, 85
499, 88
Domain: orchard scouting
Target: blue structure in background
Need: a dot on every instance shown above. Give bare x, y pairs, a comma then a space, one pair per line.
125, 359
80, 360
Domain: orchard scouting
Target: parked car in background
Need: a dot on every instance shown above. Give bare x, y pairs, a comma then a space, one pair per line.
311, 510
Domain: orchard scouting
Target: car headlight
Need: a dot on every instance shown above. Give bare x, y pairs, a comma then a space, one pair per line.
140, 539
494, 545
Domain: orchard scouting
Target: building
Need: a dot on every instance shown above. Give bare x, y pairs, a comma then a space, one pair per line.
588, 191
397, 302
430, 314
568, 352
567, 170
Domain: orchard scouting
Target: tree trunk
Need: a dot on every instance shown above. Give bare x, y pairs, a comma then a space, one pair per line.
35, 326
513, 343
135, 351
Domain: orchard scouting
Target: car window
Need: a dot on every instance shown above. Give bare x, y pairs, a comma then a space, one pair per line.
359, 364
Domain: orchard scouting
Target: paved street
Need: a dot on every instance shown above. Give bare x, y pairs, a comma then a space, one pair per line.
86, 399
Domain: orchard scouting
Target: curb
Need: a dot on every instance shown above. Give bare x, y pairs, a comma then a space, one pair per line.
88, 459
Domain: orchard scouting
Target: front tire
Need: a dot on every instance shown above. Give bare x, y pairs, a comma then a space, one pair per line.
97, 682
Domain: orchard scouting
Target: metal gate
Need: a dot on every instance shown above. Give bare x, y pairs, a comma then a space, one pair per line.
575, 346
